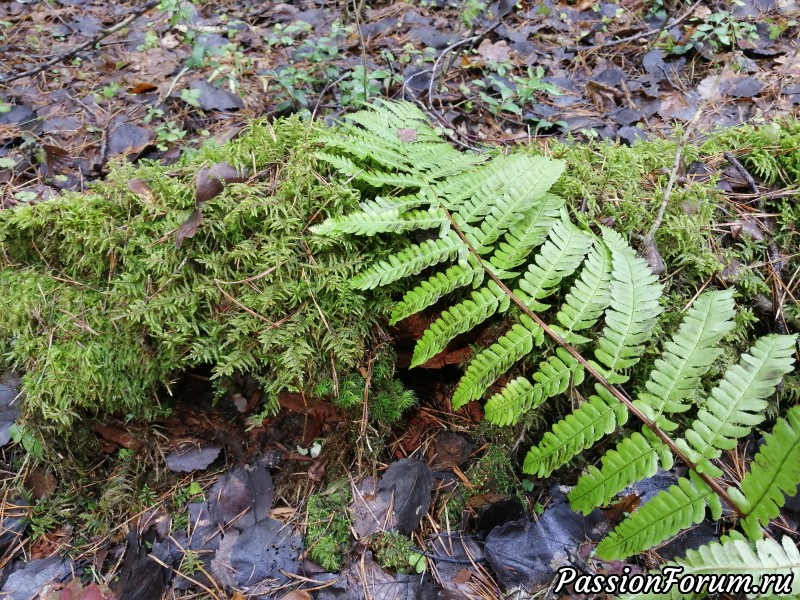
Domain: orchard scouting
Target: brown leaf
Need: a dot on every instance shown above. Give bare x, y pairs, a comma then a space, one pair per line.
119, 436
297, 595
209, 182
189, 228
142, 87
141, 189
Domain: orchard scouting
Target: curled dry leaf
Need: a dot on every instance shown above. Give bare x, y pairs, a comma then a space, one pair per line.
210, 181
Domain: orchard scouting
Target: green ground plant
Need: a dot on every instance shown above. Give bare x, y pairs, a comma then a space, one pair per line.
328, 526
586, 307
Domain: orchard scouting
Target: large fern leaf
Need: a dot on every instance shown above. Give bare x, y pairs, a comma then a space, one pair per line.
558, 257
437, 285
735, 557
409, 261
774, 473
553, 377
589, 296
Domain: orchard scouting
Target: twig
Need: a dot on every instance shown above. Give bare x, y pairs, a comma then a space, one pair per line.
87, 44
648, 238
617, 393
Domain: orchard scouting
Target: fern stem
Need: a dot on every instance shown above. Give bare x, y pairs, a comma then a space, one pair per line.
617, 393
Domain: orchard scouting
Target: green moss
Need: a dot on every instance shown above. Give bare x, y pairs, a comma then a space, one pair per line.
393, 551
101, 310
328, 529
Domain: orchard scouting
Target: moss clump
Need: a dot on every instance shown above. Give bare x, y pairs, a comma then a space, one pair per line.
328, 529
394, 551
100, 309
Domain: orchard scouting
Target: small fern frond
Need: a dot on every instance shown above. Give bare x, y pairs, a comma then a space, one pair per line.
528, 233
737, 404
632, 315
590, 295
635, 458
527, 179
735, 557
558, 257
409, 261
688, 356
437, 285
520, 395
457, 319
667, 513
390, 221
495, 360
579, 430
774, 473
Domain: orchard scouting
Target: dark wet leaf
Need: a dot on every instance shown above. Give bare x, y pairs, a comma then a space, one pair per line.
452, 449
141, 577
19, 115
409, 483
26, 582
193, 457
430, 37
246, 493
365, 579
188, 228
676, 105
209, 182
212, 98
129, 139
141, 188
744, 88
14, 516
527, 554
264, 550
9, 412
405, 487
630, 134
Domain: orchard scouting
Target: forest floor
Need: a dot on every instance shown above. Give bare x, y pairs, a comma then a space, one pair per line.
85, 83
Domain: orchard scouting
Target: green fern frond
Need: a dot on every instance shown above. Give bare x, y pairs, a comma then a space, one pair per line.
635, 458
462, 317
527, 179
735, 557
737, 404
687, 356
529, 233
632, 315
437, 285
589, 296
558, 257
520, 395
579, 430
389, 221
409, 261
667, 513
495, 360
774, 473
